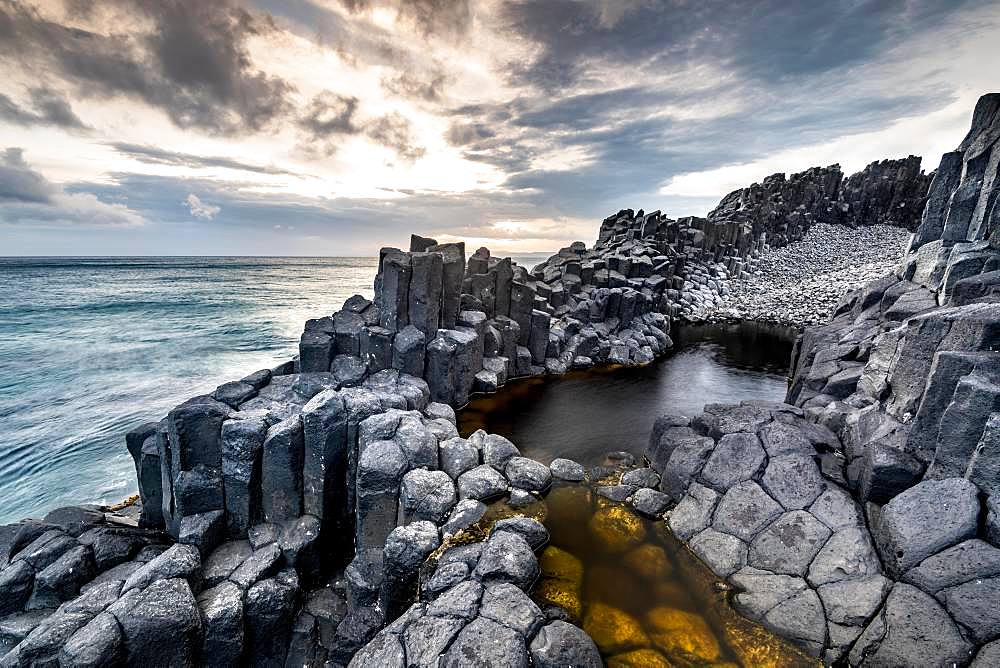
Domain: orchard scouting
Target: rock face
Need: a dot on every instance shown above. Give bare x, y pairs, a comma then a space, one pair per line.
247, 491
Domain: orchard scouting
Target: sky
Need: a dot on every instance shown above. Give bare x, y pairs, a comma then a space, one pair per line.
335, 127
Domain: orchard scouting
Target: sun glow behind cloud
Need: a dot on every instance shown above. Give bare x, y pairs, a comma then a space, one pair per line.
514, 125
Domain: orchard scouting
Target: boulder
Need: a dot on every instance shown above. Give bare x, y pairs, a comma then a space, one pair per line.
161, 624
263, 563
242, 445
180, 561
457, 456
567, 469
510, 606
97, 643
324, 463
528, 528
848, 554
426, 495
408, 351
507, 557
854, 602
561, 644
974, 606
736, 457
911, 630
525, 473
794, 481
484, 642
725, 554
694, 512
925, 519
268, 609
481, 483
970, 560
222, 621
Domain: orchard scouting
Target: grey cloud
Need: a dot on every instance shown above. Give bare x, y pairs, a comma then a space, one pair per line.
429, 88
20, 183
330, 117
446, 18
29, 198
49, 107
160, 156
193, 64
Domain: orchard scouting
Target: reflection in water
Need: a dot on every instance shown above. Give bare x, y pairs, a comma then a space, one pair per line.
583, 415
637, 591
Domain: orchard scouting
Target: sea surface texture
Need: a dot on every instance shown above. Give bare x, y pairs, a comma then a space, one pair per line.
91, 347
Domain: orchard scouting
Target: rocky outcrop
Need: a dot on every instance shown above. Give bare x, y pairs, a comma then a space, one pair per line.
907, 374
889, 192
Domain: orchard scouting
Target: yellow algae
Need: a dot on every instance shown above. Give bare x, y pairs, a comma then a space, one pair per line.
560, 564
617, 529
650, 562
612, 630
640, 658
755, 646
562, 593
685, 633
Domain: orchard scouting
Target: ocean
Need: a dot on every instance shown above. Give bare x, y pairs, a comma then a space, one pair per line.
90, 347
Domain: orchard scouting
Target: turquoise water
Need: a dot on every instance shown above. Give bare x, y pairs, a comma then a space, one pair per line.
90, 347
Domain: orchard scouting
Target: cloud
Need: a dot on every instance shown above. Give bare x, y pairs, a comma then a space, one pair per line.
49, 107
186, 57
330, 117
161, 156
200, 209
27, 198
446, 18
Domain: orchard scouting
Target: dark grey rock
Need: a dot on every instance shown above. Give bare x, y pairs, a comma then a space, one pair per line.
649, 502
885, 472
460, 601
561, 644
725, 554
268, 611
315, 351
235, 393
263, 534
45, 549
225, 559
457, 456
97, 643
970, 560
837, 509
525, 473
974, 606
180, 561
567, 469
198, 490
510, 606
794, 481
744, 510
641, 477
848, 554
465, 513
988, 656
736, 457
444, 578
61, 580
694, 512
112, 545
300, 544
348, 370
781, 438
497, 451
759, 591
507, 557
261, 564
324, 470
16, 581
384, 650
281, 473
925, 519
854, 602
426, 495
427, 638
789, 544
484, 642
242, 444
204, 530
417, 442
193, 431
161, 625
911, 630
408, 351
533, 531
364, 578
405, 550
221, 610
800, 618
481, 483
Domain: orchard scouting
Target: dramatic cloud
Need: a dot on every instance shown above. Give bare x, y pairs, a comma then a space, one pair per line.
338, 126
191, 61
28, 198
201, 209
48, 107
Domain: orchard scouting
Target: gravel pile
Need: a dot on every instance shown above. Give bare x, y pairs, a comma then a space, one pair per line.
799, 284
